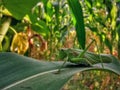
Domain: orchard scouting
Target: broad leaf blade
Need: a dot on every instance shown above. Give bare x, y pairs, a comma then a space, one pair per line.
14, 67
47, 81
21, 73
19, 8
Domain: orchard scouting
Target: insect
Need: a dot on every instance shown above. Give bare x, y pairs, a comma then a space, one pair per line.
81, 57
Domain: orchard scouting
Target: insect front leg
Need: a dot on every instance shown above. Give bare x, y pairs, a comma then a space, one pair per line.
65, 60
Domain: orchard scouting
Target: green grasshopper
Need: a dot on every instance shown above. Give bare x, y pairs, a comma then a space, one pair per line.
81, 57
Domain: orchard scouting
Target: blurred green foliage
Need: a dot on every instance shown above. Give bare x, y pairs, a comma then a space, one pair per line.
63, 24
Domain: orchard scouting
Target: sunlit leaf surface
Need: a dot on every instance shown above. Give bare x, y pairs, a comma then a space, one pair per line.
19, 8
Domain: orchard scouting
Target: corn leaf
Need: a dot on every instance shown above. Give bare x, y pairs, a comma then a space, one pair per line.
78, 14
18, 72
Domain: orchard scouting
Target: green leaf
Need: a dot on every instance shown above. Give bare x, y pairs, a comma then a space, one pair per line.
6, 44
88, 3
19, 8
22, 73
118, 1
80, 28
41, 28
108, 44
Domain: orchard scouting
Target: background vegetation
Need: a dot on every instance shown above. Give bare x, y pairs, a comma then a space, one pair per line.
54, 24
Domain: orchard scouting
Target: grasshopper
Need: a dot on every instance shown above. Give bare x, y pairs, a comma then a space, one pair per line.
74, 55
81, 57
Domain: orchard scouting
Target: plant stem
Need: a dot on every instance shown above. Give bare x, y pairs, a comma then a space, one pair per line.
13, 29
4, 28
